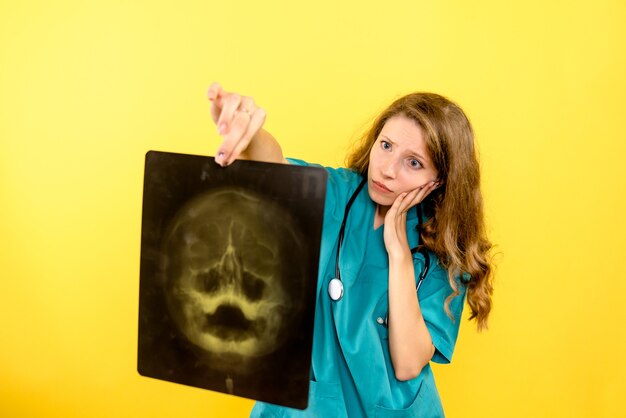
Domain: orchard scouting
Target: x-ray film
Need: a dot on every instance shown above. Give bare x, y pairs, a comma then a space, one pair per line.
229, 260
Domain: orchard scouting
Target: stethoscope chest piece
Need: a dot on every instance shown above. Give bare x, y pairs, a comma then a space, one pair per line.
335, 289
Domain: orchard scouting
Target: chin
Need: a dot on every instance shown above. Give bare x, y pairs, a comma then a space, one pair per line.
380, 200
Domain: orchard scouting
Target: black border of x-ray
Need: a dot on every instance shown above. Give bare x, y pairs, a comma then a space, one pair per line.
171, 179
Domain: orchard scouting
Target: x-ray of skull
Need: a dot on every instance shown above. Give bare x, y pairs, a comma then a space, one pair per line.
228, 258
228, 275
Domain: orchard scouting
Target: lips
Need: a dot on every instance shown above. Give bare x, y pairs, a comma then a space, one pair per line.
381, 187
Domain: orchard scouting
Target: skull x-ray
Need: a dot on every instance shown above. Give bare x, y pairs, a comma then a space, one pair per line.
229, 260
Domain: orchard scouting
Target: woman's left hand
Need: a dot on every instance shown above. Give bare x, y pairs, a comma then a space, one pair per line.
396, 241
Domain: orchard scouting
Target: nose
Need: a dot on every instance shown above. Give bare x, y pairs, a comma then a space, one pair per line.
389, 169
230, 266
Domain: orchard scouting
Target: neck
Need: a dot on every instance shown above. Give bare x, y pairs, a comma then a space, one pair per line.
379, 215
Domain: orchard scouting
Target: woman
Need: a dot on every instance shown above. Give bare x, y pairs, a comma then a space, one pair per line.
411, 202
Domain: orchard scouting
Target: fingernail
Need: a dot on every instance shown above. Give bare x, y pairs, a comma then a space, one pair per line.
221, 129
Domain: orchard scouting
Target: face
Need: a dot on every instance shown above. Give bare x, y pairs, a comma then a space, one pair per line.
399, 161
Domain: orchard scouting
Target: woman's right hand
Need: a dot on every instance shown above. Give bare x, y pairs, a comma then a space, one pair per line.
238, 120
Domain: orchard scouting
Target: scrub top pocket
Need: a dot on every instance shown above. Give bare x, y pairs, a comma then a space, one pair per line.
411, 411
324, 400
426, 405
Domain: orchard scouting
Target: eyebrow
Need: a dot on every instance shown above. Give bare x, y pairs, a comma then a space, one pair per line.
417, 154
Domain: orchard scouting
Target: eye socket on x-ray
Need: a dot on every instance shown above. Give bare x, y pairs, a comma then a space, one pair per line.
252, 286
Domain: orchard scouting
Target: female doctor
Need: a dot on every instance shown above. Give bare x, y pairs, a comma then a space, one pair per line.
403, 246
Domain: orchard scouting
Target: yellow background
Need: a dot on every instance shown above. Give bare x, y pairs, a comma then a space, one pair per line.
87, 87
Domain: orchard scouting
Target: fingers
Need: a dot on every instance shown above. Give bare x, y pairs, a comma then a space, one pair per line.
224, 105
236, 130
395, 219
230, 104
216, 95
239, 121
426, 190
257, 119
394, 210
416, 196
214, 92
395, 232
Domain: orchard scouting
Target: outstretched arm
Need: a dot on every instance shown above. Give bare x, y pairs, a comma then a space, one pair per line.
239, 122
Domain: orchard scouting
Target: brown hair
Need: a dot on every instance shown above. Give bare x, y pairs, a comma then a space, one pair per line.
455, 230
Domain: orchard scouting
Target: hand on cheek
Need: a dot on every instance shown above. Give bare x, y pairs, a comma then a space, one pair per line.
416, 196
396, 241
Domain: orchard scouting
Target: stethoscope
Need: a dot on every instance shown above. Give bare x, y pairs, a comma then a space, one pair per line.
335, 286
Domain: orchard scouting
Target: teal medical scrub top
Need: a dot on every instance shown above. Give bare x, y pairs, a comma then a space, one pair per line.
352, 374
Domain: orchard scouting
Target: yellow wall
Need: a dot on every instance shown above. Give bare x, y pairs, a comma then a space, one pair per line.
86, 88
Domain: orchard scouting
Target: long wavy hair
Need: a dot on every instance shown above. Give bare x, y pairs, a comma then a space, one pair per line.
455, 231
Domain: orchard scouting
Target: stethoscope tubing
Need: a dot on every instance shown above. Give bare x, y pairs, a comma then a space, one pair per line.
343, 225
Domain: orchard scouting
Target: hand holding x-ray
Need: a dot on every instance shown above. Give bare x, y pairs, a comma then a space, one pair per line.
238, 120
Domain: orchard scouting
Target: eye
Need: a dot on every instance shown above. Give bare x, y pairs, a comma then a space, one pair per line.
413, 163
385, 145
